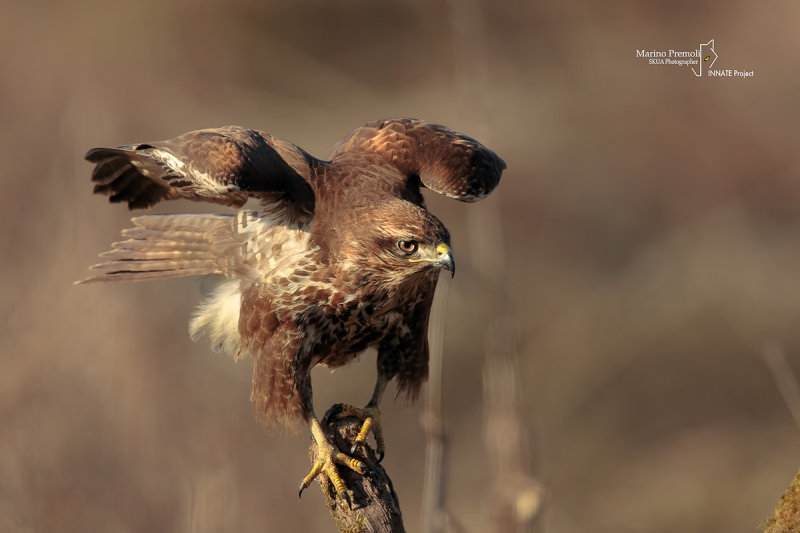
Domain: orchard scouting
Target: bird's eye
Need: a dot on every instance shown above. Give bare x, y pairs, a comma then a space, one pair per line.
408, 247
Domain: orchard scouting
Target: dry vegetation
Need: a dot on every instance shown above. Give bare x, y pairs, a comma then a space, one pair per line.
649, 250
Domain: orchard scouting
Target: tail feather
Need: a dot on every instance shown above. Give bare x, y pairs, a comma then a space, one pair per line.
151, 265
146, 245
155, 235
162, 247
180, 256
142, 276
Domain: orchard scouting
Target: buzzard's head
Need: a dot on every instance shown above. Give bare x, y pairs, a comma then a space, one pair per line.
396, 242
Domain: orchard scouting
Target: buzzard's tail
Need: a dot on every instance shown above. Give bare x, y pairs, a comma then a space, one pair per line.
163, 246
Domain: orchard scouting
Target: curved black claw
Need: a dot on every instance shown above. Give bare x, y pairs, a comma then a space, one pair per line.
346, 498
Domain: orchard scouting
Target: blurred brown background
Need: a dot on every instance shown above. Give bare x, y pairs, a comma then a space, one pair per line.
645, 238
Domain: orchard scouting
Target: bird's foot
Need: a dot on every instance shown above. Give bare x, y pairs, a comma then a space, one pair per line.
371, 416
327, 459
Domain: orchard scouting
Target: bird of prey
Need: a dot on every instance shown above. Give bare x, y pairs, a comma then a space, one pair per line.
340, 255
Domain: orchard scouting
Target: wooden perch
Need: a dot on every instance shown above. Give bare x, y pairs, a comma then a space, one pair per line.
374, 506
786, 517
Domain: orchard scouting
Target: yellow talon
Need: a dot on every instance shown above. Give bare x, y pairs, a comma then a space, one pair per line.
315, 470
371, 416
350, 462
327, 459
365, 429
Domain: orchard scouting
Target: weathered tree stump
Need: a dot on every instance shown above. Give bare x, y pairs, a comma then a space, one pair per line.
373, 506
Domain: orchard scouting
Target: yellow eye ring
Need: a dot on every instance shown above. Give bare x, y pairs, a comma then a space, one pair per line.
408, 247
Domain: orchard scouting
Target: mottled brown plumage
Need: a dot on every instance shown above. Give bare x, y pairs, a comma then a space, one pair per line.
341, 255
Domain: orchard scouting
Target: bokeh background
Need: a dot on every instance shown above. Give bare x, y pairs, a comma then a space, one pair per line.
643, 251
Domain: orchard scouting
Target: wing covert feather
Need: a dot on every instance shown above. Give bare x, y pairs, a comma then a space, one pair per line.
445, 161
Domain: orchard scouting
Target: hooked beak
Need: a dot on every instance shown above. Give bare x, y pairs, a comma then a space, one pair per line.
444, 258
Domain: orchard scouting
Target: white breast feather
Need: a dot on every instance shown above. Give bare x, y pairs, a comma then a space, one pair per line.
218, 319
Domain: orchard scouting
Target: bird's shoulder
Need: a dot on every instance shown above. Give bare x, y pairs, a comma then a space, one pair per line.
360, 178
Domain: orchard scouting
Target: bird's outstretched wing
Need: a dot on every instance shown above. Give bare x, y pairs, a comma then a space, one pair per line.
441, 159
222, 165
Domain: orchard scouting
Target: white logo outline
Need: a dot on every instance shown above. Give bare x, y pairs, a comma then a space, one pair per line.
704, 58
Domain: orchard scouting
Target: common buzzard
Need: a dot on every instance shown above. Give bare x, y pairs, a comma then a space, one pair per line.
339, 256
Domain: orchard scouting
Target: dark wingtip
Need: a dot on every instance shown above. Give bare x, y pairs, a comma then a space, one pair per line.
95, 155
500, 163
151, 194
487, 169
494, 163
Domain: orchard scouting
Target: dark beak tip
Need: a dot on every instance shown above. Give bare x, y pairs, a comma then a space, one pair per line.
445, 259
451, 266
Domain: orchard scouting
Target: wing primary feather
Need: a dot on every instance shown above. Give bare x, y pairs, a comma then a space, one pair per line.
221, 165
